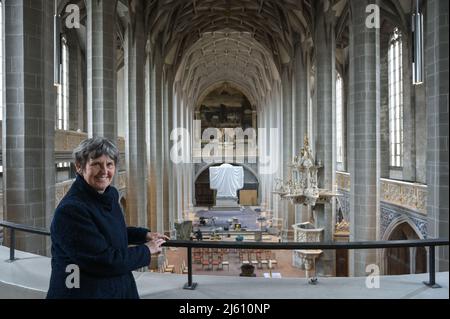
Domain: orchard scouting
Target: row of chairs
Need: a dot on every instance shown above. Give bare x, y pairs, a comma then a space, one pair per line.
219, 259
258, 258
170, 269
166, 267
206, 253
214, 260
183, 268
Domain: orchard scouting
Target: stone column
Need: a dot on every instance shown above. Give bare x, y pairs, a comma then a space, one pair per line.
326, 126
74, 87
364, 134
301, 112
178, 176
172, 173
167, 171
184, 169
254, 120
134, 46
191, 166
29, 120
287, 207
276, 120
101, 71
436, 70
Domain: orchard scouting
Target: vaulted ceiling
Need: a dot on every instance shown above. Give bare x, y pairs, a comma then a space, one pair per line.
244, 42
272, 23
238, 42
227, 56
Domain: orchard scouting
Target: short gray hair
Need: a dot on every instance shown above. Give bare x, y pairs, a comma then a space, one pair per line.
93, 148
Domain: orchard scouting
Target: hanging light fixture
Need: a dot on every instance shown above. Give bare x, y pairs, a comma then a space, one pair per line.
56, 47
417, 39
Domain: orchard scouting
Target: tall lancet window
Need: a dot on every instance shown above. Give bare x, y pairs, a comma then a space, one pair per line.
1, 69
1, 61
395, 99
339, 120
62, 110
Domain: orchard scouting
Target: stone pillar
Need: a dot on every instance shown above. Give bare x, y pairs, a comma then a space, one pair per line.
172, 172
436, 70
29, 120
134, 46
286, 78
178, 176
301, 112
364, 135
74, 87
101, 71
254, 120
167, 163
191, 166
326, 126
185, 166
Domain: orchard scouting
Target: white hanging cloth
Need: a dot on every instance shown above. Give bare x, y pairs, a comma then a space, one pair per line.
226, 179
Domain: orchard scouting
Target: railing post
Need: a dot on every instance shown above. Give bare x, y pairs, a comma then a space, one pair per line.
190, 285
432, 271
12, 244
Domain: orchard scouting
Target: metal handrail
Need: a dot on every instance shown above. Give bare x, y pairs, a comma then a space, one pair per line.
20, 227
432, 243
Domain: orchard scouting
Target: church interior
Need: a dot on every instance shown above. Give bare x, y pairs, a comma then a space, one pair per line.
244, 120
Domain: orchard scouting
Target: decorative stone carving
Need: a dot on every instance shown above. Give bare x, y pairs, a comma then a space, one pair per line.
66, 141
305, 232
409, 195
122, 180
342, 227
388, 215
308, 258
61, 190
121, 144
302, 186
343, 181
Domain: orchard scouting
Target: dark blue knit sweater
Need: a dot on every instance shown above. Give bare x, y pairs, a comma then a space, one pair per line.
88, 230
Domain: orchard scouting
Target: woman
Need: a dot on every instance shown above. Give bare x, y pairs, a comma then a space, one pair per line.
89, 236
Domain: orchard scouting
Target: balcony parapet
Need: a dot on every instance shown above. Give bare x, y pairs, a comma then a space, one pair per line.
29, 277
410, 195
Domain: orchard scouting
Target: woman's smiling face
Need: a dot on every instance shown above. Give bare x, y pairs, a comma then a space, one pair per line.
99, 172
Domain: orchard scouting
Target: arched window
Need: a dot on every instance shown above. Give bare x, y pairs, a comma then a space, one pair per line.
62, 109
1, 70
1, 61
395, 77
339, 120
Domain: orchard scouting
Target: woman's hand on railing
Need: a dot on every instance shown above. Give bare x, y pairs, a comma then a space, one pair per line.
155, 246
154, 236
